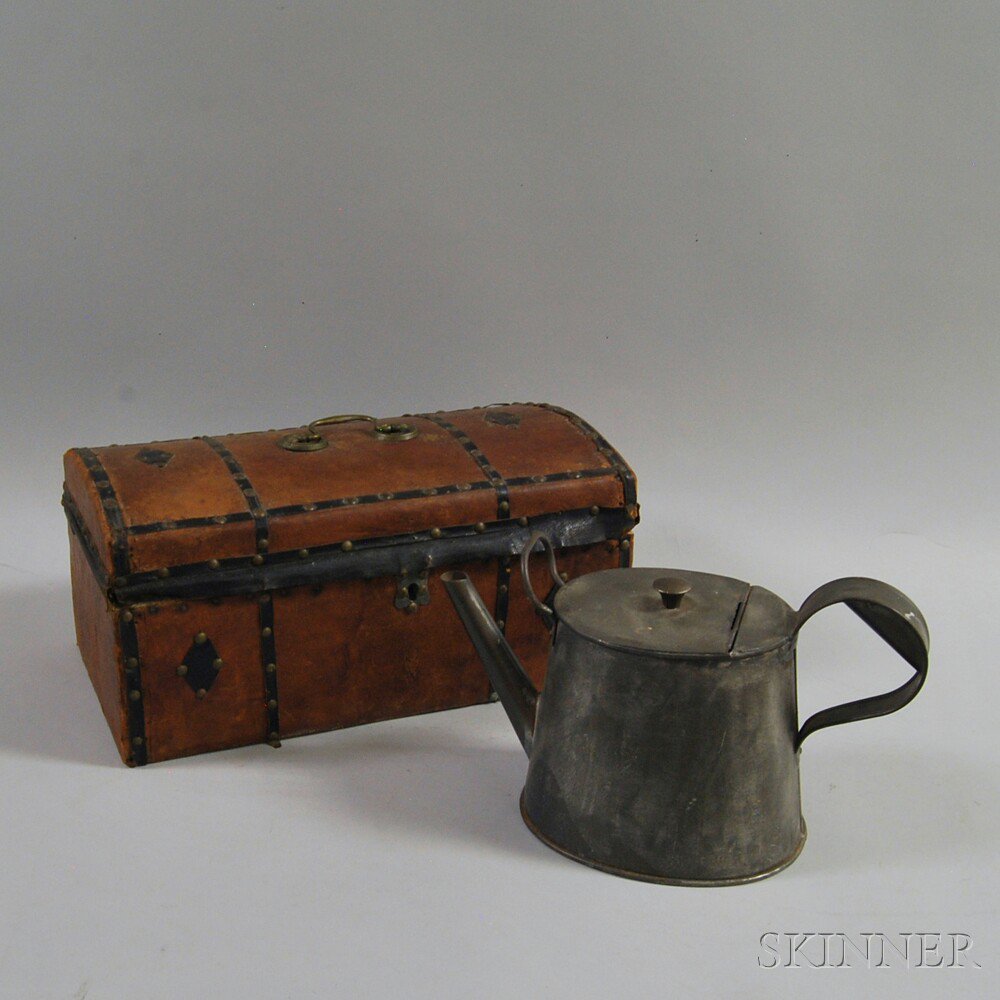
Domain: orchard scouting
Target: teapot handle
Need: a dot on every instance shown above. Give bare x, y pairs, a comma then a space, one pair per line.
891, 615
543, 610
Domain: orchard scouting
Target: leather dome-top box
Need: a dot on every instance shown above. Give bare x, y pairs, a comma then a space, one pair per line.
246, 588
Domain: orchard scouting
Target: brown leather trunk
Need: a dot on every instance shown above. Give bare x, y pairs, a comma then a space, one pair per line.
230, 591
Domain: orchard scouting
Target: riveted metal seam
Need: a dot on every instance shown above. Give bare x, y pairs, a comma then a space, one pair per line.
257, 510
619, 464
269, 664
503, 503
266, 626
290, 510
135, 715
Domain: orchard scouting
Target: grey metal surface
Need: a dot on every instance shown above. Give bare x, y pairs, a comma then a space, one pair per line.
665, 746
624, 609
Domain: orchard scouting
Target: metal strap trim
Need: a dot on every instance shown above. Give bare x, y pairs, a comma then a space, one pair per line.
257, 510
112, 511
496, 480
626, 475
290, 510
135, 714
372, 558
269, 665
268, 656
79, 529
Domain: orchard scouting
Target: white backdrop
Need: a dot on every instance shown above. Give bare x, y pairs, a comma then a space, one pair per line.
754, 243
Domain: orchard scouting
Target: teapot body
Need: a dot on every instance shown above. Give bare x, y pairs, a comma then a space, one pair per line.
680, 770
665, 745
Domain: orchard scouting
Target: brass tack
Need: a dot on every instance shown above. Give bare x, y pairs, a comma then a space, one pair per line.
346, 546
182, 670
435, 532
163, 572
272, 736
128, 616
219, 519
135, 694
201, 638
480, 527
273, 703
303, 553
262, 543
504, 505
595, 510
131, 663
266, 632
200, 693
270, 668
411, 607
523, 521
564, 576
500, 623
137, 741
309, 506
626, 544
217, 663
503, 588
258, 560
213, 564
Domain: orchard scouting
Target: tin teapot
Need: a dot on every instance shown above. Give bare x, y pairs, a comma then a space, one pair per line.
665, 745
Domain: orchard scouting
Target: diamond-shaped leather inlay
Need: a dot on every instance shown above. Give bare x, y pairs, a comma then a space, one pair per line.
155, 456
501, 418
201, 665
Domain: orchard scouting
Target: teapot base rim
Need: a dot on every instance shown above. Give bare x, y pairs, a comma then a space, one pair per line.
663, 879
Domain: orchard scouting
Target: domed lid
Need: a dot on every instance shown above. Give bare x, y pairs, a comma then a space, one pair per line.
675, 613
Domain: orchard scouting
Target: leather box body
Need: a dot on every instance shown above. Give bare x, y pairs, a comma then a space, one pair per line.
230, 591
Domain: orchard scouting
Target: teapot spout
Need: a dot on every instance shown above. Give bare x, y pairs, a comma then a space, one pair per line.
517, 694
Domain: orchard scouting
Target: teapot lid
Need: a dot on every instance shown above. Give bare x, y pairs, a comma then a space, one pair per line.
674, 613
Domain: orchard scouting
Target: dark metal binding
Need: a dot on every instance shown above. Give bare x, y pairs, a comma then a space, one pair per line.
626, 475
135, 712
496, 480
79, 529
112, 511
503, 592
498, 483
269, 664
154, 527
291, 510
268, 658
257, 509
372, 557
120, 563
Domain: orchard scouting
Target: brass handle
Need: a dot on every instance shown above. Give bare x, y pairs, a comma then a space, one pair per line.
311, 440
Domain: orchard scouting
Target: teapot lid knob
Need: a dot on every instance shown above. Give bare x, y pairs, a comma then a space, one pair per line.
671, 590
